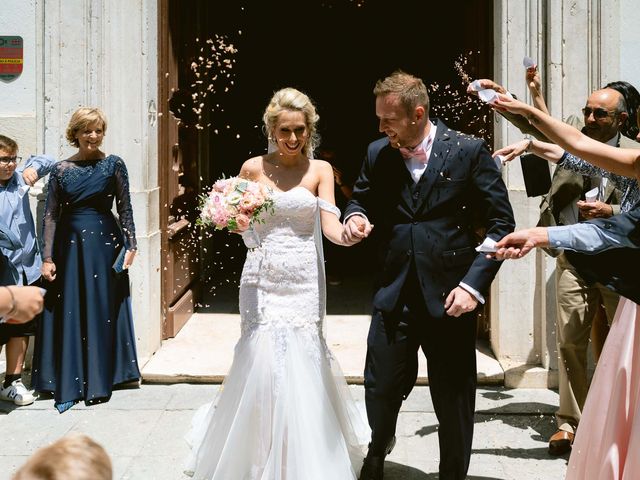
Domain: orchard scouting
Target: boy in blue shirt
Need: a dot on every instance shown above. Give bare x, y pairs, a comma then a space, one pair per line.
15, 214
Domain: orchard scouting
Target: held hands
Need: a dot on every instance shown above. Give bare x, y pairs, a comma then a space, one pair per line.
459, 301
518, 244
595, 209
512, 151
48, 271
355, 230
30, 176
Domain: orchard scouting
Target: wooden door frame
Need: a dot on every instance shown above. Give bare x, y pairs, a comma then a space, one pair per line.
175, 315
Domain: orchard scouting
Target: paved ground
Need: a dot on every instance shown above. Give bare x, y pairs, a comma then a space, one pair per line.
143, 432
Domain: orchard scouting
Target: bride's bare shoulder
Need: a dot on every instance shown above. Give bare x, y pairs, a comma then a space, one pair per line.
252, 168
322, 167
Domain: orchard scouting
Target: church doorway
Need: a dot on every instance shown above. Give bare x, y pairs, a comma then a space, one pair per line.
221, 63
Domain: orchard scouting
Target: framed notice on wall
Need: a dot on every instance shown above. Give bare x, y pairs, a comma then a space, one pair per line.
11, 59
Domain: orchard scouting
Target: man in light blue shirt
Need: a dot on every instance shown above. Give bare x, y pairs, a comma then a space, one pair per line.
24, 258
604, 250
15, 213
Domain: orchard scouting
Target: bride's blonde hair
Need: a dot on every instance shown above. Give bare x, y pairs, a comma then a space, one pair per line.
292, 100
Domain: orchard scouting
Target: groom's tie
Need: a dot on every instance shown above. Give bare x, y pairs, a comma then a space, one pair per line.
416, 152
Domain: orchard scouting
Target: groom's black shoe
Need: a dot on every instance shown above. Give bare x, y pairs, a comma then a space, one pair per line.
373, 467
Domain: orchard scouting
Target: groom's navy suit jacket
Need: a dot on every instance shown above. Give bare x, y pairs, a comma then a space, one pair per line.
619, 268
432, 222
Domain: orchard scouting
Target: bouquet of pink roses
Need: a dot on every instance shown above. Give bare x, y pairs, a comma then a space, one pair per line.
235, 203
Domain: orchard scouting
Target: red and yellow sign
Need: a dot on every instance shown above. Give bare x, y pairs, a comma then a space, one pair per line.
11, 57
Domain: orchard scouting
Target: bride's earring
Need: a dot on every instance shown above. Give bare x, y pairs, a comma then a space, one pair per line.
272, 145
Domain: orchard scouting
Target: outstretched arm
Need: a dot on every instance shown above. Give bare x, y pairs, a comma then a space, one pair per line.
517, 120
549, 151
587, 237
534, 84
622, 161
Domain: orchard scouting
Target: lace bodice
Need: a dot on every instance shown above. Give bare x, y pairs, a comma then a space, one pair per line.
293, 220
89, 186
282, 285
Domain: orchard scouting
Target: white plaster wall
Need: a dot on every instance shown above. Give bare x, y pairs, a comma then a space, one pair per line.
18, 97
515, 328
104, 53
630, 41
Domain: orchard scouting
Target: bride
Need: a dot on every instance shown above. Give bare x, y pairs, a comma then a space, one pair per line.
284, 412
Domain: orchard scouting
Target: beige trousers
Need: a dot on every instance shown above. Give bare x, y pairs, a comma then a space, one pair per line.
577, 306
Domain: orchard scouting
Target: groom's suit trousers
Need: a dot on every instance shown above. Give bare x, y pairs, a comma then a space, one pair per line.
392, 368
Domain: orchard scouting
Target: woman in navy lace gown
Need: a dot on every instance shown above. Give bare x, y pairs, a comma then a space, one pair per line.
86, 344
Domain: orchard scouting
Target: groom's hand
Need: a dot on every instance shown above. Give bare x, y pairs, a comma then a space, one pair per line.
355, 230
459, 301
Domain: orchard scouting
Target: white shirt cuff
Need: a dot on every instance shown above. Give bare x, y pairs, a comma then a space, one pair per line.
473, 292
352, 214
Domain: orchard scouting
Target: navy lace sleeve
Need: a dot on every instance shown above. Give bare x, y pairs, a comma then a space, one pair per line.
578, 165
123, 204
51, 212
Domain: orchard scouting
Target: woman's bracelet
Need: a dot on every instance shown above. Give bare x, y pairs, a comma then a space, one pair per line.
14, 306
529, 143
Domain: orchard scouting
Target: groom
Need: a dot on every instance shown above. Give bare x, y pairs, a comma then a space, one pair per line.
427, 189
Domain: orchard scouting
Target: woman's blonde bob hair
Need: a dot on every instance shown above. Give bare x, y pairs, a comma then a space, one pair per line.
290, 99
81, 118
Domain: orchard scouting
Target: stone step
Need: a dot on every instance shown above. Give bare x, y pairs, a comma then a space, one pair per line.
202, 351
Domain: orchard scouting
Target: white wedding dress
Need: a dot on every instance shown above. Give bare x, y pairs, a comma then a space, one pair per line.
284, 411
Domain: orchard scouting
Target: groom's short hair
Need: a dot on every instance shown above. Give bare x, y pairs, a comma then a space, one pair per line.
410, 89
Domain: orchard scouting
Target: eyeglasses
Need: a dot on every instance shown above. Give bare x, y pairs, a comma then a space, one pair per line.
598, 113
7, 160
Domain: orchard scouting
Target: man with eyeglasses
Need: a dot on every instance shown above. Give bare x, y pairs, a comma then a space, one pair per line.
579, 306
579, 303
24, 258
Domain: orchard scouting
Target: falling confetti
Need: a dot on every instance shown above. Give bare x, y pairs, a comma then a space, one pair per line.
452, 104
211, 72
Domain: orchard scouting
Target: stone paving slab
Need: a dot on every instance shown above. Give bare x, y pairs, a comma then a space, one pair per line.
143, 429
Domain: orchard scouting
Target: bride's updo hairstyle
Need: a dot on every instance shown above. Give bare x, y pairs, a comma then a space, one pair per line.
292, 100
